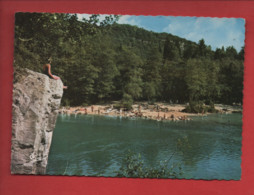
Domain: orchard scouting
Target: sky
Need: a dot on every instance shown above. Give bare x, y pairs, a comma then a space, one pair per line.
216, 32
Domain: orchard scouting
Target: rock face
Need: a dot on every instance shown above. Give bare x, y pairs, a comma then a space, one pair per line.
36, 100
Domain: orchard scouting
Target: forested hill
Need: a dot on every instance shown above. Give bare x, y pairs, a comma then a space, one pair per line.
107, 62
141, 39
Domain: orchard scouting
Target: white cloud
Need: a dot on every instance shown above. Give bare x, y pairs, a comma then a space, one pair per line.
216, 32
126, 19
123, 19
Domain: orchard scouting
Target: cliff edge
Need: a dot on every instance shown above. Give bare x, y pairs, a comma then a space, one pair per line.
36, 100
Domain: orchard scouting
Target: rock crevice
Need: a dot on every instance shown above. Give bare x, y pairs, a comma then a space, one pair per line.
36, 100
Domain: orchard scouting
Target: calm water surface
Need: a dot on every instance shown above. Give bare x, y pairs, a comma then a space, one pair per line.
96, 145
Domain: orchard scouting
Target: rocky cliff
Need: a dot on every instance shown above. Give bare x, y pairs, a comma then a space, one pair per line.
36, 99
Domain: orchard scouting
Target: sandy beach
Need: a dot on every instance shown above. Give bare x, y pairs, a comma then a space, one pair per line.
158, 111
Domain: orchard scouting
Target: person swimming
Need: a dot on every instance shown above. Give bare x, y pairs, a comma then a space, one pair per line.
47, 71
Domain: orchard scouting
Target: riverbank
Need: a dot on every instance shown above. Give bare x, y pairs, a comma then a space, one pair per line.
157, 111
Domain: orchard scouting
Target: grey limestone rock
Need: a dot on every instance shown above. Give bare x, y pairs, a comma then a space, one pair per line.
36, 100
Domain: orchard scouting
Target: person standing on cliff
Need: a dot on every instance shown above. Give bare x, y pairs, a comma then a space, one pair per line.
47, 71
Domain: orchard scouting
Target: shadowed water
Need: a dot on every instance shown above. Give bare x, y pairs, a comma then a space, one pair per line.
95, 145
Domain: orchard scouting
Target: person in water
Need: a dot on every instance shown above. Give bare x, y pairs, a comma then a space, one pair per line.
47, 71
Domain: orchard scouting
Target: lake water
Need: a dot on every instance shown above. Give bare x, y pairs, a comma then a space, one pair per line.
96, 145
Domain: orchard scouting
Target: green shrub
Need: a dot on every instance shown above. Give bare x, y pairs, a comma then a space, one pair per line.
133, 166
200, 107
151, 102
195, 107
211, 108
127, 101
66, 102
117, 106
84, 104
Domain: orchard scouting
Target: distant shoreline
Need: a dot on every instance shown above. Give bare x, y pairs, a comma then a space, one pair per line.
157, 111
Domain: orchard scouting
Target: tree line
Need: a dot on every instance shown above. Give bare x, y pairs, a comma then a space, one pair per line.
102, 61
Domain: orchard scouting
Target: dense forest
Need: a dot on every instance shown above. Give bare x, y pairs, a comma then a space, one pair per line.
102, 61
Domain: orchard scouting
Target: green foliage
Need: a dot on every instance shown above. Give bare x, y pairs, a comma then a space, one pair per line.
200, 107
151, 75
211, 108
174, 85
171, 52
231, 80
196, 79
66, 102
130, 78
202, 48
118, 106
133, 166
101, 61
196, 107
127, 101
